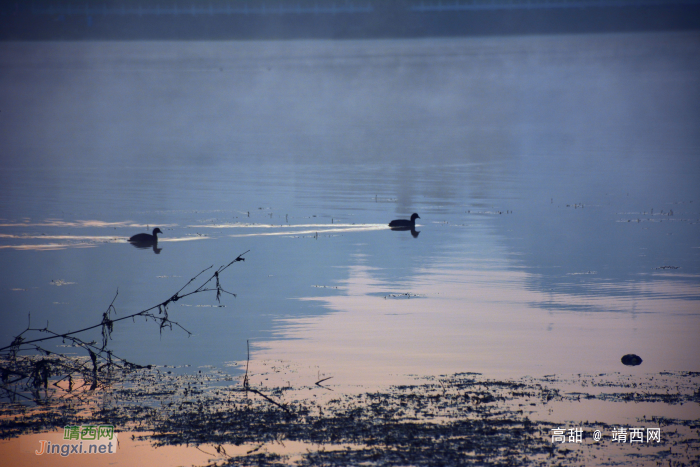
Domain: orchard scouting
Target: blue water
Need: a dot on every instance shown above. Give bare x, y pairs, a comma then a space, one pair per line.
563, 171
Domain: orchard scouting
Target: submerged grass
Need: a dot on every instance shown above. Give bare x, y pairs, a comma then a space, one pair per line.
462, 419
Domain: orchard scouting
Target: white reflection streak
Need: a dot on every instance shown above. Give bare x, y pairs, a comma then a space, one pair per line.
96, 238
363, 228
89, 241
67, 237
182, 239
79, 223
49, 246
290, 226
82, 241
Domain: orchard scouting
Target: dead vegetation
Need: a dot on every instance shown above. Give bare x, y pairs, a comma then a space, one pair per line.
462, 419
27, 366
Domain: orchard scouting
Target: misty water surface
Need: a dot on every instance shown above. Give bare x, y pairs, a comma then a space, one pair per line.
556, 179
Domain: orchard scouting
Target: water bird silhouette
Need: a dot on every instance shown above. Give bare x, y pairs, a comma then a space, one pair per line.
405, 224
144, 240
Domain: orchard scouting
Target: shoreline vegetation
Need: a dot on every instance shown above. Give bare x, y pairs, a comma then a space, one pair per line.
459, 419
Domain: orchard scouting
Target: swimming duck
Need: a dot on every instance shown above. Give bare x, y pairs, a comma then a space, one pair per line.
403, 223
146, 239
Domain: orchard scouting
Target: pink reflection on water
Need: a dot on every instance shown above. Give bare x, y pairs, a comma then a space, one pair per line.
22, 451
486, 321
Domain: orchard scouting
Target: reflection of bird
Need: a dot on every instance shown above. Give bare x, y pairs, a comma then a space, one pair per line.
146, 239
403, 223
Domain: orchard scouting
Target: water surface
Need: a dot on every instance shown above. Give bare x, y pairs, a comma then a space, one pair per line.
556, 179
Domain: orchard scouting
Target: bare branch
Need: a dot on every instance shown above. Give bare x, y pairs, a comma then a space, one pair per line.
34, 372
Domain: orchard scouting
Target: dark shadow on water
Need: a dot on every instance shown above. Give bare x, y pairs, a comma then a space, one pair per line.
413, 231
145, 246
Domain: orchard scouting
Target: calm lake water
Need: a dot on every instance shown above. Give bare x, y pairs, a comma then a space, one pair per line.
556, 179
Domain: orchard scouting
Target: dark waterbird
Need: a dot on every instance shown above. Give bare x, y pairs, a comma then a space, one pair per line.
146, 239
405, 224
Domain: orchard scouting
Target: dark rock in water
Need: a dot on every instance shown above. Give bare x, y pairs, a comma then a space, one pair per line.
631, 359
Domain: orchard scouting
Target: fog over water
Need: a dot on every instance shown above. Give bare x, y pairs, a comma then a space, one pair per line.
556, 179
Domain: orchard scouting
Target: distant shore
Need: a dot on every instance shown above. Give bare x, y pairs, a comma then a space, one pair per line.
350, 19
